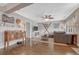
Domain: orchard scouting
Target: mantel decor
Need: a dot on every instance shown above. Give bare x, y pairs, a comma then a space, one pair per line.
18, 21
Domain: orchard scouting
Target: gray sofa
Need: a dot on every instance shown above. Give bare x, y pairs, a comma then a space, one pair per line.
62, 37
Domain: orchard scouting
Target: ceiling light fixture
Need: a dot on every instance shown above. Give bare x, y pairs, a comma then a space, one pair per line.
47, 17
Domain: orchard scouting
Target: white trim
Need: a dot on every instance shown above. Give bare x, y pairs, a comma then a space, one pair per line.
71, 11
60, 44
11, 43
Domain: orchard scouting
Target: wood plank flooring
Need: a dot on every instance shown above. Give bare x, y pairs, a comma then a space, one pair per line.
38, 49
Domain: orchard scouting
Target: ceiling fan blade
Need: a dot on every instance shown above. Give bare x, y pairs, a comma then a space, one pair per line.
49, 15
51, 18
46, 16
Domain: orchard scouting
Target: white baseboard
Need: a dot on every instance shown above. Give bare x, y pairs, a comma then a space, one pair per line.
11, 43
60, 44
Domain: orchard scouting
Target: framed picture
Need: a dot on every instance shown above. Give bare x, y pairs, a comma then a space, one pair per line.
35, 28
56, 25
11, 20
4, 18
7, 19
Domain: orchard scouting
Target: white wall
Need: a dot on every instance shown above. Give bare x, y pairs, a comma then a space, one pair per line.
73, 23
51, 29
3, 28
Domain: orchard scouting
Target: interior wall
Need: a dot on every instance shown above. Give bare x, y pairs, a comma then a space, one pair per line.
28, 29
54, 26
3, 28
32, 24
26, 21
72, 24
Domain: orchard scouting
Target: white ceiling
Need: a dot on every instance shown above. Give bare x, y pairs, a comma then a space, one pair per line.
59, 11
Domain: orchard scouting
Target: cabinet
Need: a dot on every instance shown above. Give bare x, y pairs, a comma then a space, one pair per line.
13, 35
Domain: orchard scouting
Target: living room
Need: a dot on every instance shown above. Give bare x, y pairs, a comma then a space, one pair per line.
50, 27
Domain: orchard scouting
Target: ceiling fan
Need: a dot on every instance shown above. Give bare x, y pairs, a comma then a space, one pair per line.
47, 17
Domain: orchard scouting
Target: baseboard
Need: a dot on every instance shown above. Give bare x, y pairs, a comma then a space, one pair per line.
10, 43
60, 44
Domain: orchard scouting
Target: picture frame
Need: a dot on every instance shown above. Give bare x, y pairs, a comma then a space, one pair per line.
7, 19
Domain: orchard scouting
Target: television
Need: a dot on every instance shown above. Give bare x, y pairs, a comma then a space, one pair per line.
35, 28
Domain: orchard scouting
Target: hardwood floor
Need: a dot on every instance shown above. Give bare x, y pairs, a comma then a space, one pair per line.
38, 49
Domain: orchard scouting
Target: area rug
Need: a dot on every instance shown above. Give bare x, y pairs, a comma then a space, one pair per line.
76, 50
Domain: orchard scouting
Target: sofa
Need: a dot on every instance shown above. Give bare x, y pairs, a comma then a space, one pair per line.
62, 37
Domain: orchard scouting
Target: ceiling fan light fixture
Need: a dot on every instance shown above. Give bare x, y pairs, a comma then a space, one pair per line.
46, 19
